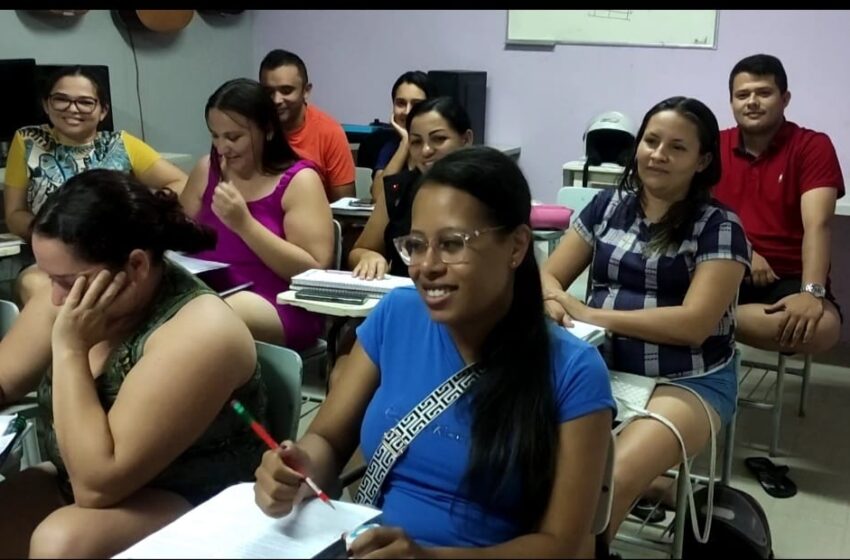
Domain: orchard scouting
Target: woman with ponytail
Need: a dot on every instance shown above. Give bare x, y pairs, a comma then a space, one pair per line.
666, 261
513, 466
134, 361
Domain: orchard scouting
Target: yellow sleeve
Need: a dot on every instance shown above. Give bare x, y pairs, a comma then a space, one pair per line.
142, 156
17, 174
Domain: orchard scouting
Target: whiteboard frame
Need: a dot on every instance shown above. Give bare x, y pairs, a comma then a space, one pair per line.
712, 45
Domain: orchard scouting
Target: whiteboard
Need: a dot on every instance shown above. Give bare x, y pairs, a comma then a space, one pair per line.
658, 28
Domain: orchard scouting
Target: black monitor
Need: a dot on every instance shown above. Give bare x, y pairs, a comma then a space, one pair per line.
19, 97
43, 73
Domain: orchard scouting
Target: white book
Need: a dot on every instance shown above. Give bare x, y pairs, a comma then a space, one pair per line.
10, 239
231, 525
341, 281
587, 332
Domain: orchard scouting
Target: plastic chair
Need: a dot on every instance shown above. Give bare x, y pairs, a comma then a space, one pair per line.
577, 198
315, 358
363, 182
774, 405
281, 371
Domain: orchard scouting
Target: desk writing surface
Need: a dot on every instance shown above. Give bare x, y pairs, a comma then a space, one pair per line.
329, 307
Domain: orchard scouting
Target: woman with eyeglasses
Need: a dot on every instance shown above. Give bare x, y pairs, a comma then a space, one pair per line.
436, 127
43, 157
506, 457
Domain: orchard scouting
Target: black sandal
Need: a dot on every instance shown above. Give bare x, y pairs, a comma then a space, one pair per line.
774, 479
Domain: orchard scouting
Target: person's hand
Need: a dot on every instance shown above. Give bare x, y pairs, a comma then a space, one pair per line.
563, 307
279, 486
230, 206
400, 130
82, 321
801, 313
760, 272
386, 542
372, 265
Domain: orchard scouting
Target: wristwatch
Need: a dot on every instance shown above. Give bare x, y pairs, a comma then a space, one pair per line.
816, 290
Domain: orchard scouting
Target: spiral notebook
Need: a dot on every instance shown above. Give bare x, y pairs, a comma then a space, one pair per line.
341, 282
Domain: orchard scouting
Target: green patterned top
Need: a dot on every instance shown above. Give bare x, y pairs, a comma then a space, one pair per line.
227, 453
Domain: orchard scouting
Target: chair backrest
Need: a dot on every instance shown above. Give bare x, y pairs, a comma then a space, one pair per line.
337, 245
363, 182
281, 371
576, 198
8, 314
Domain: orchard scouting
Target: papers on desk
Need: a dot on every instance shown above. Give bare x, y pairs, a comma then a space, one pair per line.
341, 282
230, 525
11, 428
351, 206
591, 334
10, 244
192, 264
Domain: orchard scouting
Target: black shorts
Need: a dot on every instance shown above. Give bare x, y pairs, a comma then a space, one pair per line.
775, 291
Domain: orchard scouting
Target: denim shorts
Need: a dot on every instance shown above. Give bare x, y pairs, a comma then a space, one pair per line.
719, 389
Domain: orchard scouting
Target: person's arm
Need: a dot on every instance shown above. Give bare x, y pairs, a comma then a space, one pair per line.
17, 213
190, 367
328, 443
366, 258
817, 207
149, 167
397, 163
308, 224
25, 349
340, 166
565, 529
192, 196
571, 257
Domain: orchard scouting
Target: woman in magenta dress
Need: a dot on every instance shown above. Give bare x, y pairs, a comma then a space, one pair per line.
268, 207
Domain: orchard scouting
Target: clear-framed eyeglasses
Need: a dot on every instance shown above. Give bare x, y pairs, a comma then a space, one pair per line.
451, 246
61, 102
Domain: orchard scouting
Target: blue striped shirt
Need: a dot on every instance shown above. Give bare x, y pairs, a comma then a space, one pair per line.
624, 278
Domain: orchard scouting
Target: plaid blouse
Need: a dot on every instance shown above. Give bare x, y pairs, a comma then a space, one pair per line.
623, 278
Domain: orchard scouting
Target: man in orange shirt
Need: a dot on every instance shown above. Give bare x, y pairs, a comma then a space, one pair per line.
312, 133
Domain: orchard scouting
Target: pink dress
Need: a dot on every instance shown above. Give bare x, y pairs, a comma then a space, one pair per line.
301, 327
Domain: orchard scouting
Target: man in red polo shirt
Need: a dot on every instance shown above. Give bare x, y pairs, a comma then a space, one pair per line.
783, 181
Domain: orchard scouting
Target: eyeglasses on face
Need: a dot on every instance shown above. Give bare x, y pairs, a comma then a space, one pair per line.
452, 247
61, 102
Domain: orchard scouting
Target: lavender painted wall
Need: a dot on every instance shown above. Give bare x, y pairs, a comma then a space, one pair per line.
542, 100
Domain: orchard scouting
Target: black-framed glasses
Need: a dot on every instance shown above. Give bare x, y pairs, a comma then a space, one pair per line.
61, 102
451, 246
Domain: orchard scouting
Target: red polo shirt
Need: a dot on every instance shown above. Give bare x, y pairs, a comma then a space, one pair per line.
765, 191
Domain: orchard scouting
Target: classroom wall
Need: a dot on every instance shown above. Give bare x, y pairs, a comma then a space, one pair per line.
177, 72
542, 99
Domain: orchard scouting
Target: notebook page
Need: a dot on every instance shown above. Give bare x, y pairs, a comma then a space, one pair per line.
193, 265
585, 331
230, 525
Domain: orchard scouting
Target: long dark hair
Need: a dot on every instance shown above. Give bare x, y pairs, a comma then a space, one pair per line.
445, 106
679, 219
417, 78
247, 98
514, 423
103, 215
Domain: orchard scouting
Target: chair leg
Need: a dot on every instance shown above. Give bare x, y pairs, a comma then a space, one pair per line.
777, 405
728, 451
681, 512
804, 390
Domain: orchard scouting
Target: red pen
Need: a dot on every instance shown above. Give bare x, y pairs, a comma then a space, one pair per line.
266, 437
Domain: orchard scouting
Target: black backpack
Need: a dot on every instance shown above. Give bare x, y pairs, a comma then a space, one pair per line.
739, 527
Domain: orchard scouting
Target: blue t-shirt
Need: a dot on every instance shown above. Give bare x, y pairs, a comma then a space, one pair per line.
422, 493
386, 154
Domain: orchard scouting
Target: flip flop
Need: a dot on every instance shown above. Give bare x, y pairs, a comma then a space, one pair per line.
646, 510
774, 479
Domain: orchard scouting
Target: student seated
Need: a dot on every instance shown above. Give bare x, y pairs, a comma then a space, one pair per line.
410, 88
42, 157
783, 180
269, 209
312, 133
436, 127
665, 263
134, 360
515, 465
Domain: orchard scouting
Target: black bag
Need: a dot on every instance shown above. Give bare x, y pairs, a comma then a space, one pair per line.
739, 527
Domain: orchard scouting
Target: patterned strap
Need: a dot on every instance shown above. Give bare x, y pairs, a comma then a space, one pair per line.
395, 441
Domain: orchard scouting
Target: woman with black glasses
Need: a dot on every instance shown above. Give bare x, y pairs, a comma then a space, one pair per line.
43, 157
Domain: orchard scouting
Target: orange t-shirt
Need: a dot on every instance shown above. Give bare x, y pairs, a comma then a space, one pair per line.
322, 140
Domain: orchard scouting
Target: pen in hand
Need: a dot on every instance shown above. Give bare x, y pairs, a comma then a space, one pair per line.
273, 445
